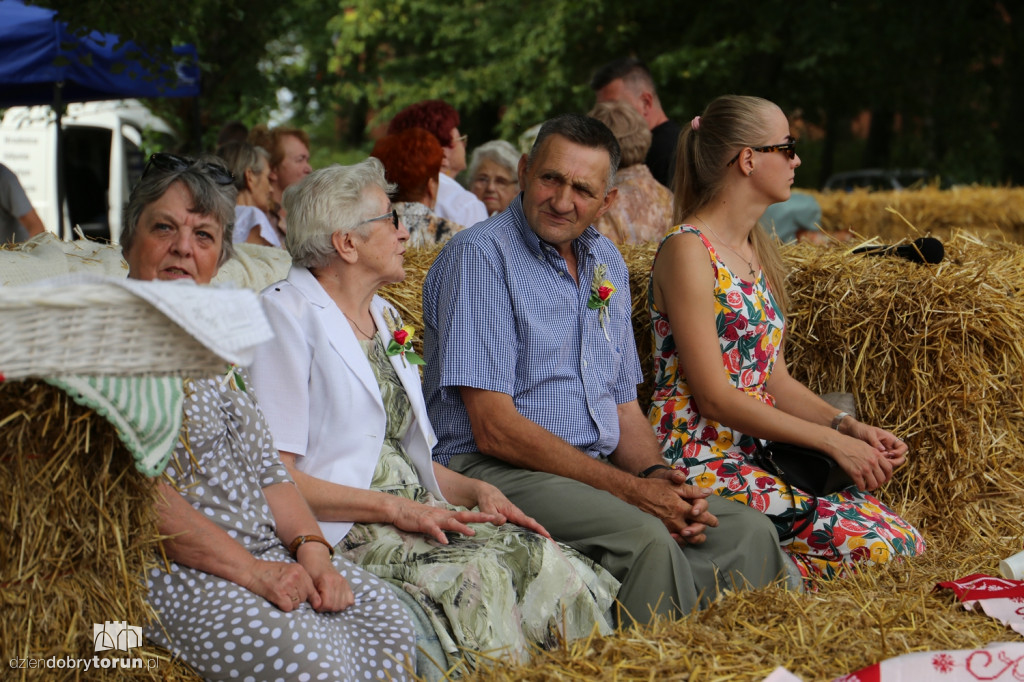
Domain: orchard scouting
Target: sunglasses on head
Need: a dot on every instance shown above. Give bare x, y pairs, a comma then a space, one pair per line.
787, 148
393, 214
173, 163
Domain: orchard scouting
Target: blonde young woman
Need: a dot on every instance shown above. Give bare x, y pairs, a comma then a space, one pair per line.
724, 382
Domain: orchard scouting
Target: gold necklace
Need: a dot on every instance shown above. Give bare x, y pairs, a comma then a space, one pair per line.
369, 336
722, 241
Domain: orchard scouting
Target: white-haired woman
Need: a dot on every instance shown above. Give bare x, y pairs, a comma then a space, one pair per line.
642, 210
342, 394
493, 174
251, 589
251, 167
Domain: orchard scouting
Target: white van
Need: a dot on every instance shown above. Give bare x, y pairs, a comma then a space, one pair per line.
102, 160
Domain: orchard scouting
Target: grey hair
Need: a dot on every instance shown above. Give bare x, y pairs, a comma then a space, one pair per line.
326, 201
209, 198
629, 128
584, 131
498, 151
242, 156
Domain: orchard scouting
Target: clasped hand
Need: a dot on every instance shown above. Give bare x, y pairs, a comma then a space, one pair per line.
870, 455
288, 584
683, 508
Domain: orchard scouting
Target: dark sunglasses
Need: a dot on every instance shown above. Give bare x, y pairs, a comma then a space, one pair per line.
172, 163
787, 148
393, 214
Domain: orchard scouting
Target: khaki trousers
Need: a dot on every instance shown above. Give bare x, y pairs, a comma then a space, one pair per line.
657, 575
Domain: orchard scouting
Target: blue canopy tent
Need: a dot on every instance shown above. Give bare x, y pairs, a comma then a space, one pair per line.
43, 62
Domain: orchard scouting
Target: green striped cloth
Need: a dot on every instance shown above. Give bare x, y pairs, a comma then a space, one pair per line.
145, 410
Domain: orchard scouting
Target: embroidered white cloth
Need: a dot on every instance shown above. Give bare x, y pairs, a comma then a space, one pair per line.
1000, 598
1001, 661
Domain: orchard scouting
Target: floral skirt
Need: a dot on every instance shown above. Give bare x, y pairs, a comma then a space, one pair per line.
504, 591
848, 527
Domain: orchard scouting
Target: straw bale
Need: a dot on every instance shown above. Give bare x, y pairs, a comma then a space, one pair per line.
934, 353
843, 626
79, 530
990, 212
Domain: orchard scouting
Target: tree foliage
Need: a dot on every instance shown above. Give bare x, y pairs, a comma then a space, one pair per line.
507, 64
940, 78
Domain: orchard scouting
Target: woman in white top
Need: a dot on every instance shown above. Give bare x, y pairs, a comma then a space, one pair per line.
340, 387
251, 167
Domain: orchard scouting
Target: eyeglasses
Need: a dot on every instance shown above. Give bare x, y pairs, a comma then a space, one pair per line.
787, 148
464, 139
173, 163
500, 183
393, 214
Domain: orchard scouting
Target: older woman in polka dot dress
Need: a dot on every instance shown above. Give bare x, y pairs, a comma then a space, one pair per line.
252, 590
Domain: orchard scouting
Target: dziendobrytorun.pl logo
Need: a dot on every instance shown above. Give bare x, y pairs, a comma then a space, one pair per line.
112, 635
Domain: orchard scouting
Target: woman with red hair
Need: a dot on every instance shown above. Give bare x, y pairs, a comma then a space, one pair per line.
412, 161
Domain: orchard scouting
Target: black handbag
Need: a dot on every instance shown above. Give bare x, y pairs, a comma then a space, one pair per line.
810, 471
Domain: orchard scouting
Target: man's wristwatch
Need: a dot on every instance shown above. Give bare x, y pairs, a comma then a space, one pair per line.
651, 469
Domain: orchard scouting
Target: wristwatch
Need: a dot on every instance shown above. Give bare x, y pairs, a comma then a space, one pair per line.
838, 419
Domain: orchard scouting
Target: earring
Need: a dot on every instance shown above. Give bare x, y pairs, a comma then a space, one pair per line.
751, 172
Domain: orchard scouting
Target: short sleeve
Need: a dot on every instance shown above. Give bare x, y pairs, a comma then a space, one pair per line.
473, 326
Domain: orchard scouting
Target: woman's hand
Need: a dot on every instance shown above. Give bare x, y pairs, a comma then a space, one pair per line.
868, 454
284, 584
414, 517
894, 449
331, 591
490, 500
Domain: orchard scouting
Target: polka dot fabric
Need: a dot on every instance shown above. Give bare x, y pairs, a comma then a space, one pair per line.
227, 632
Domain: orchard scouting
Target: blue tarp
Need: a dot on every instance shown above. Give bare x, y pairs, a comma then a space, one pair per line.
37, 51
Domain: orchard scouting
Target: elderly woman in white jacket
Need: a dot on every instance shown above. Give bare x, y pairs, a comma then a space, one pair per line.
341, 392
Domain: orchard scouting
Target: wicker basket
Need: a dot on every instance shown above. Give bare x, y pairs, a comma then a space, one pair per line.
94, 329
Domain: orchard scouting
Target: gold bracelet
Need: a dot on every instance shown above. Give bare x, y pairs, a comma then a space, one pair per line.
303, 539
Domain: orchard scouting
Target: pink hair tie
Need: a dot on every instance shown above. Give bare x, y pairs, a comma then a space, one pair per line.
695, 123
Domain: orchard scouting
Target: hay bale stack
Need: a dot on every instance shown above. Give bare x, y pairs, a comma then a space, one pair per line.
844, 626
990, 212
934, 353
79, 529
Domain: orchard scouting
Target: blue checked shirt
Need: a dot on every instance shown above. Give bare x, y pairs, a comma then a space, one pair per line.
501, 313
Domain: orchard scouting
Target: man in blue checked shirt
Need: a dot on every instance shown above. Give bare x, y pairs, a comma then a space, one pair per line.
531, 381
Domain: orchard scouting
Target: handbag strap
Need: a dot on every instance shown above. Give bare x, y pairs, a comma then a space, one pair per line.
800, 520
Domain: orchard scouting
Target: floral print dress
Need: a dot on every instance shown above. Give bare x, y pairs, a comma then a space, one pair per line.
848, 526
504, 591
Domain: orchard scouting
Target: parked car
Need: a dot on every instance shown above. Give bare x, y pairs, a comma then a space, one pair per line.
877, 179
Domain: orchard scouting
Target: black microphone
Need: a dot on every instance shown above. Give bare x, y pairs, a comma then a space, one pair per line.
921, 250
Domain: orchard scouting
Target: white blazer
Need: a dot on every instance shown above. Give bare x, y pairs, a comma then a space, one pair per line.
320, 396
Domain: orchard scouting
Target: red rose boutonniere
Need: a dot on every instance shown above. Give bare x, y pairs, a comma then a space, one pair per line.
401, 340
601, 291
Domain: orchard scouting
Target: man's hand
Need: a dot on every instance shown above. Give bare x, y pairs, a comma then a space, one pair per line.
683, 508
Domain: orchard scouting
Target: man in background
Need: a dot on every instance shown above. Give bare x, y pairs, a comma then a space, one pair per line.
18, 220
628, 80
